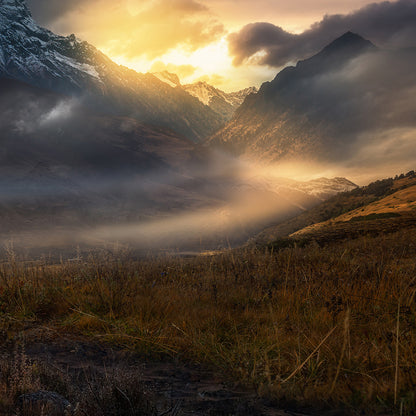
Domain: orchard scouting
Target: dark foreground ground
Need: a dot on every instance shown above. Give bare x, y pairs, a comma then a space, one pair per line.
99, 380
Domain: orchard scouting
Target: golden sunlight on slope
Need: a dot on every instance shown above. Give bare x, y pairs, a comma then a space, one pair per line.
401, 201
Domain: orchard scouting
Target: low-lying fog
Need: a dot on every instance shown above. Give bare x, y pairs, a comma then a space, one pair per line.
69, 177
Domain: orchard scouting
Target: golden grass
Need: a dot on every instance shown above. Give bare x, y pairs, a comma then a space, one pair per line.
330, 327
401, 201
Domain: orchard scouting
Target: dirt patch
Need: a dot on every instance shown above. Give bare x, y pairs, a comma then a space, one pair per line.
174, 388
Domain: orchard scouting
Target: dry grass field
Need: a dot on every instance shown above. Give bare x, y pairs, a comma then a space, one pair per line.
331, 327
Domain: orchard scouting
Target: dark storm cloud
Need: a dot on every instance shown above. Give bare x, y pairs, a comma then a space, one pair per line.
47, 11
387, 24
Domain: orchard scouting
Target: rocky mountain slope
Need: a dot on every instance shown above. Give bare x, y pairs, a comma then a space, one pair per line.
64, 168
73, 67
328, 107
61, 164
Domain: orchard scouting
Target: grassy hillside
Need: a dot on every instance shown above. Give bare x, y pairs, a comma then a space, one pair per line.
387, 195
394, 212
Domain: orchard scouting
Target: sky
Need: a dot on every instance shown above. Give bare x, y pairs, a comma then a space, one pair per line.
231, 44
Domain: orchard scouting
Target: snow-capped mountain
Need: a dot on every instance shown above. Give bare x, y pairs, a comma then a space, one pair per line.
318, 189
67, 65
37, 56
221, 102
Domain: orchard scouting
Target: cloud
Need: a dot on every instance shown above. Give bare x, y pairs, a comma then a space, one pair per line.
387, 24
47, 11
213, 79
60, 113
25, 110
147, 29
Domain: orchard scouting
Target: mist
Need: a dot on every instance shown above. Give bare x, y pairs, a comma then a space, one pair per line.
71, 176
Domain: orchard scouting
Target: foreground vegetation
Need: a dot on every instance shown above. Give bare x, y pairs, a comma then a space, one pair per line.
118, 392
325, 327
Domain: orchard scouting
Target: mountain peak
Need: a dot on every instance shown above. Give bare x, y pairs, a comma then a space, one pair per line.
350, 36
349, 42
344, 48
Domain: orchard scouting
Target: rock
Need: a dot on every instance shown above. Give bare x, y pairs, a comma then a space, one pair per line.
45, 403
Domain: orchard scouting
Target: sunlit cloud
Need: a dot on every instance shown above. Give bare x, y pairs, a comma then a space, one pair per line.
147, 29
183, 32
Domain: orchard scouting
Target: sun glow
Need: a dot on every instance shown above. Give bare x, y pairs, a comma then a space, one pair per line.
211, 63
211, 59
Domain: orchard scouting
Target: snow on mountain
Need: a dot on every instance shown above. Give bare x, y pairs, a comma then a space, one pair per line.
36, 55
220, 101
223, 103
323, 188
204, 92
67, 65
237, 98
320, 189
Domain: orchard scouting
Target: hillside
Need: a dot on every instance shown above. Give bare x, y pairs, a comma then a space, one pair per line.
384, 204
63, 165
65, 170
